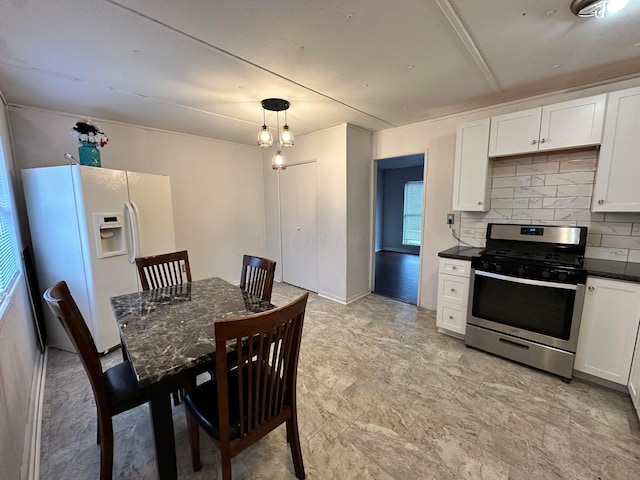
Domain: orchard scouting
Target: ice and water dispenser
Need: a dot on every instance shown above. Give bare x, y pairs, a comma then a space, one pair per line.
110, 235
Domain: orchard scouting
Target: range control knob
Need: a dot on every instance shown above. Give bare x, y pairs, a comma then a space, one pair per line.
498, 267
485, 265
562, 276
546, 273
522, 270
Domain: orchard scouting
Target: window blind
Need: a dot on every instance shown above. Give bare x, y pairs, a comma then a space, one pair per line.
8, 243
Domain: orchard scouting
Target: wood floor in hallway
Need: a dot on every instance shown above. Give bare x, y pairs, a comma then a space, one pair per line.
397, 275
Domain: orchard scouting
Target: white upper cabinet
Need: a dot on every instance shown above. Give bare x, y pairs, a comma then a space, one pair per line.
514, 133
616, 185
472, 173
575, 123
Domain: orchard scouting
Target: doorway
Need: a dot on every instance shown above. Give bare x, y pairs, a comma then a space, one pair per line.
398, 224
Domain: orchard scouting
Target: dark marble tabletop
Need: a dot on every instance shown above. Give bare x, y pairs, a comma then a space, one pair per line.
168, 330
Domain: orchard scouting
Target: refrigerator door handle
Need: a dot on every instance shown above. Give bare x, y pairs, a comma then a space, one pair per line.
139, 251
133, 224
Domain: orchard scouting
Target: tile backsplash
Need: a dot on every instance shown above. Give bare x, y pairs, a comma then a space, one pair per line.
554, 190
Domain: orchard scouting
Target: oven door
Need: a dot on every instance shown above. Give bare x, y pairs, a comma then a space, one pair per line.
540, 311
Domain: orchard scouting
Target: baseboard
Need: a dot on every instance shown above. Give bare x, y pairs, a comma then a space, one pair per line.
32, 442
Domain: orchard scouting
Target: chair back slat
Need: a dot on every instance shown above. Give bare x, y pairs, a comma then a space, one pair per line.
164, 270
257, 276
265, 348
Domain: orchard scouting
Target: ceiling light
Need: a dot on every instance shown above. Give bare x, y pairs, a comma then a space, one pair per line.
285, 137
596, 8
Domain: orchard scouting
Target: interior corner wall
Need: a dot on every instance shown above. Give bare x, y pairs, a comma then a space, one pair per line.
216, 186
359, 242
328, 149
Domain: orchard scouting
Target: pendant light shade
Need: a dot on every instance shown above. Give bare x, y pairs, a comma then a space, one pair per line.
277, 162
285, 137
265, 139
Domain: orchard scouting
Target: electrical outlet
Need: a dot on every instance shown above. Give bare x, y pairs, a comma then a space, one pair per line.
450, 218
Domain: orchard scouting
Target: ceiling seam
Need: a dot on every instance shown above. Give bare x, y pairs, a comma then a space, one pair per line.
119, 90
468, 42
244, 60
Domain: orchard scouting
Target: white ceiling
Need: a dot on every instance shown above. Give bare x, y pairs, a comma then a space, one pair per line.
202, 66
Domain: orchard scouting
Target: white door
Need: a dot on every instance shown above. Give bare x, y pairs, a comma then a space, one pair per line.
151, 197
298, 210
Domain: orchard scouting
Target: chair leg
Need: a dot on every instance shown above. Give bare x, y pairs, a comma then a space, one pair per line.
293, 436
225, 462
98, 430
106, 450
176, 397
194, 440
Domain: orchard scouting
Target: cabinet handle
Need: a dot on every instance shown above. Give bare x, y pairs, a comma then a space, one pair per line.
591, 288
479, 203
533, 142
600, 202
453, 290
542, 140
453, 267
450, 317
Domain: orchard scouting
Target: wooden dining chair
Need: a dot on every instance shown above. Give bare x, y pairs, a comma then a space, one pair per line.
115, 390
254, 390
164, 270
257, 276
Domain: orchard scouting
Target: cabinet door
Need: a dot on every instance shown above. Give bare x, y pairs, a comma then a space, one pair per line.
572, 124
608, 329
634, 376
616, 184
471, 176
515, 133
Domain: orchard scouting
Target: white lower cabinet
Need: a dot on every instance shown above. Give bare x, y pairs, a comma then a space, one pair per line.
608, 329
634, 377
453, 293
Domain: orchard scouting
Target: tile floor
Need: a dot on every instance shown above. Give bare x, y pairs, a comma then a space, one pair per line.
382, 395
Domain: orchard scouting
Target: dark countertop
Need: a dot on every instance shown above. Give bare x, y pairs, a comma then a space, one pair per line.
461, 253
627, 271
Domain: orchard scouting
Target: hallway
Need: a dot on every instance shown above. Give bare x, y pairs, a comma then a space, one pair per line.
397, 275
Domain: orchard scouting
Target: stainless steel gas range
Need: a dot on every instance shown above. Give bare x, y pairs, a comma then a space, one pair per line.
526, 294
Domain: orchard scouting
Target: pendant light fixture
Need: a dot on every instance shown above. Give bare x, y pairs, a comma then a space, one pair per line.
596, 8
285, 138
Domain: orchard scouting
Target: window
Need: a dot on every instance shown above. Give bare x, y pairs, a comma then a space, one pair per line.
412, 220
8, 262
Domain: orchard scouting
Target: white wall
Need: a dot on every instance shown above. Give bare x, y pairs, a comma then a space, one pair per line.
343, 157
217, 187
436, 138
19, 358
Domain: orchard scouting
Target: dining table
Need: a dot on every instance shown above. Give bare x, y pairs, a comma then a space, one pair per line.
168, 336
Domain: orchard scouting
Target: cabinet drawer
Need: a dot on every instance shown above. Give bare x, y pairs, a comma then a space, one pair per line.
452, 318
453, 289
451, 266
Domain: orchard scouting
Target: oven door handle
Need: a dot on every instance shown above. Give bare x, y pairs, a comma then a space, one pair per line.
527, 281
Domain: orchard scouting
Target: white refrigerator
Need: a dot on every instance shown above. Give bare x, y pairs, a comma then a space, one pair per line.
88, 225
